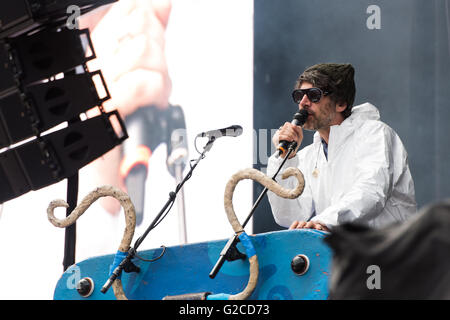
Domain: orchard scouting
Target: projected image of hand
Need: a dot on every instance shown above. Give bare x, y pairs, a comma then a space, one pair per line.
128, 39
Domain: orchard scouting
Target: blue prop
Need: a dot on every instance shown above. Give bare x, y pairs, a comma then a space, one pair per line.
184, 269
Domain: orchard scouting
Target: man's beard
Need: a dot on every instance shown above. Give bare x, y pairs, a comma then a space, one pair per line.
322, 118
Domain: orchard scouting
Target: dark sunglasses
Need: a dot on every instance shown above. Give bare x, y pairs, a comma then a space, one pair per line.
313, 94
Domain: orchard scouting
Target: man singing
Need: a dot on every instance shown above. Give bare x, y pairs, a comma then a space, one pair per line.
356, 169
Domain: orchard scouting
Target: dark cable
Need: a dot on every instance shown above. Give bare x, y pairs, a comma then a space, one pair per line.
195, 145
151, 260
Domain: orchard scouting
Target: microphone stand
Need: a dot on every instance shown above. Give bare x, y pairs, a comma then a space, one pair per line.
181, 207
126, 263
70, 236
230, 252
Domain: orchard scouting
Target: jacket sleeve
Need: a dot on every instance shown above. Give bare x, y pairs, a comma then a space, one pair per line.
285, 211
373, 184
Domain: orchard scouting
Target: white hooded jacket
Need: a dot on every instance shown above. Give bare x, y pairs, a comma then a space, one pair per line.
365, 180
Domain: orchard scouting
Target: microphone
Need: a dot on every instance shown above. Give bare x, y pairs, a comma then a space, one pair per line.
147, 128
175, 138
231, 131
299, 120
145, 134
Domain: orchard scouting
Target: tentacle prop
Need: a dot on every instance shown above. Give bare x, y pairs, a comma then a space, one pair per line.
270, 184
130, 220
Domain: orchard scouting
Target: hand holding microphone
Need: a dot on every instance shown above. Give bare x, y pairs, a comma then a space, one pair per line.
289, 133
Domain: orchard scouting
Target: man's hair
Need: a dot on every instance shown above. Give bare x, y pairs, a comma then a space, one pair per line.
337, 78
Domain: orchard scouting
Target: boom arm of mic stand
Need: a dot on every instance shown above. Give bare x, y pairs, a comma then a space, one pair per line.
234, 240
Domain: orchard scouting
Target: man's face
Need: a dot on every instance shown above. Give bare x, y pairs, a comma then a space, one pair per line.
322, 114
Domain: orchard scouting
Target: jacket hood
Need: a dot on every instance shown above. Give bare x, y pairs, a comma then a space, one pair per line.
360, 113
365, 111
